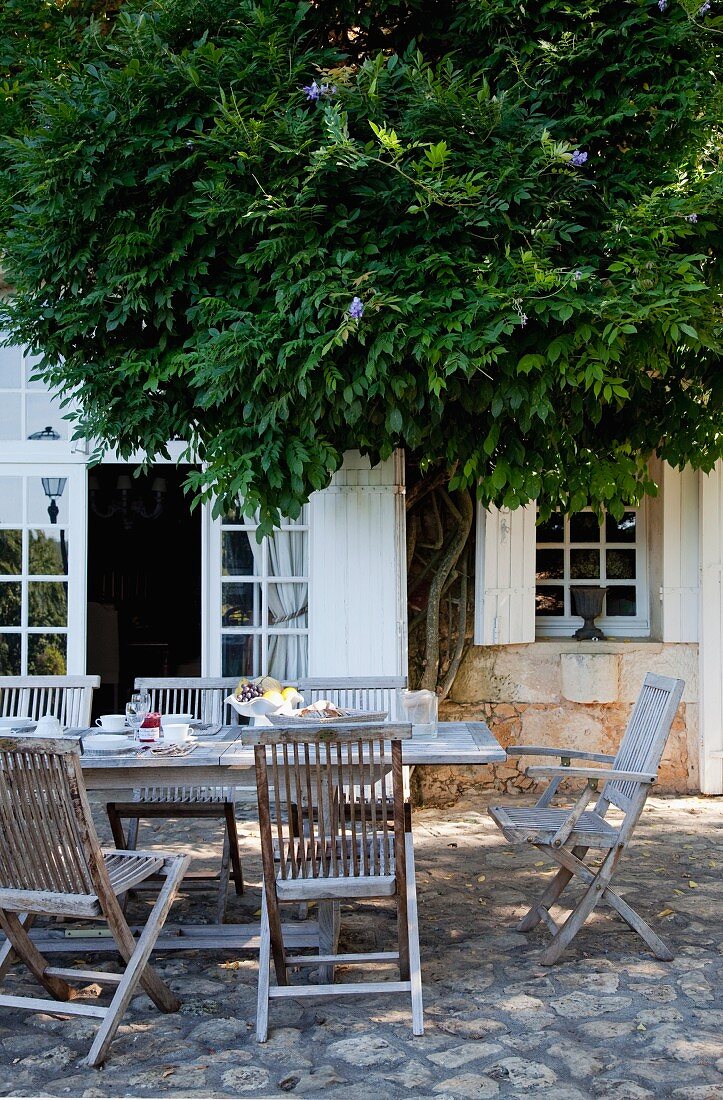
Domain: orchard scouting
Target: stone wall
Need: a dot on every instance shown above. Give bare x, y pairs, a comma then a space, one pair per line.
563, 693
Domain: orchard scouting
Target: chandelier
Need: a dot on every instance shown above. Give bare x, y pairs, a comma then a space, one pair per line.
127, 502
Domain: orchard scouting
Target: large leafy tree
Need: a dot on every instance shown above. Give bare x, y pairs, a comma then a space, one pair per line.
487, 231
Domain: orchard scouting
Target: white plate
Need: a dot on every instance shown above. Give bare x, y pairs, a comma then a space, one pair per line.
108, 742
16, 723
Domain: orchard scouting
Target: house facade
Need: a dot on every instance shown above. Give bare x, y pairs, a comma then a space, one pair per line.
105, 572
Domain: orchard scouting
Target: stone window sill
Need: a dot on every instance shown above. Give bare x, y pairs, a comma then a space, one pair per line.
611, 645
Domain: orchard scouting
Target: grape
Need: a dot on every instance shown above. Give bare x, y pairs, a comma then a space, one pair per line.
248, 693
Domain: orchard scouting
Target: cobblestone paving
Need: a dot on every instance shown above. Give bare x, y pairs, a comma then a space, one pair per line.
609, 1021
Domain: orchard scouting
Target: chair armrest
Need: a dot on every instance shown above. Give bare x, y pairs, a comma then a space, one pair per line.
542, 771
571, 754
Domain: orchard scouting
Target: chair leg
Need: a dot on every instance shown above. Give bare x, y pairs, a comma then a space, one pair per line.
7, 953
628, 914
223, 878
137, 969
329, 928
415, 962
152, 984
116, 827
232, 834
583, 909
533, 917
37, 964
262, 998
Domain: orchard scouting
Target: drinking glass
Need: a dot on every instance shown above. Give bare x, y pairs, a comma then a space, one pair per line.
137, 709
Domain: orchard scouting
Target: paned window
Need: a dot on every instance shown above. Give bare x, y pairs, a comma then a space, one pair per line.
34, 516
264, 599
580, 550
28, 409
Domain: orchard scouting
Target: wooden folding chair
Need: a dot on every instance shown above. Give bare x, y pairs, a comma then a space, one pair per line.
51, 864
567, 834
348, 849
203, 697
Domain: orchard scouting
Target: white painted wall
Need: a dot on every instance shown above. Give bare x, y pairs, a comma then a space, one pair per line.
711, 631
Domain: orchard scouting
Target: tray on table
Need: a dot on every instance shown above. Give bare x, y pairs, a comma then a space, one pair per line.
372, 716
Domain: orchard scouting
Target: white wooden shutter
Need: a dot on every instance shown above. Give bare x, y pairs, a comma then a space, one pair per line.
505, 576
711, 631
357, 587
680, 566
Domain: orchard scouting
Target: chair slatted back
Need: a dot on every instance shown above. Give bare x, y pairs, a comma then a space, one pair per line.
317, 779
645, 736
45, 825
67, 698
201, 696
356, 693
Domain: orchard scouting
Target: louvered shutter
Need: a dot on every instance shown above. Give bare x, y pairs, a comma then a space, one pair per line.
357, 591
505, 576
680, 565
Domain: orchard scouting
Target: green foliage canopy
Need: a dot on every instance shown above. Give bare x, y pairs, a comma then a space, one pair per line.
524, 198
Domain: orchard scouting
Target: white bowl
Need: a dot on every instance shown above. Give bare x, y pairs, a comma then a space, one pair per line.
175, 719
16, 723
108, 742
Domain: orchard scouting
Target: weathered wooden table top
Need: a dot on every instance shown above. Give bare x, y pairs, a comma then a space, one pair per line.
222, 749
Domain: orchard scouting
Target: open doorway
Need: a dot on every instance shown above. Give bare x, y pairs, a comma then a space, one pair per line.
144, 580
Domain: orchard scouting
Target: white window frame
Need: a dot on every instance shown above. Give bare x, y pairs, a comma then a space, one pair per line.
76, 527
627, 626
24, 391
212, 564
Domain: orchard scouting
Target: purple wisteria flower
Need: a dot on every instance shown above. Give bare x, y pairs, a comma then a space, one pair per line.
578, 158
523, 319
704, 8
315, 91
692, 218
356, 309
662, 4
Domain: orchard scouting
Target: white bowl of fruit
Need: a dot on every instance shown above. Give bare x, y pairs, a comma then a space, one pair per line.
255, 699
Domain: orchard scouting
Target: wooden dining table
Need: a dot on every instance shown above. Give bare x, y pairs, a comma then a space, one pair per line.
219, 756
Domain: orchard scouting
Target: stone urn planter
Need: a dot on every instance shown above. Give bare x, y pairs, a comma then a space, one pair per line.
588, 601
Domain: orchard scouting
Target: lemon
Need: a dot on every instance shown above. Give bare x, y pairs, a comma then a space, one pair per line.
274, 697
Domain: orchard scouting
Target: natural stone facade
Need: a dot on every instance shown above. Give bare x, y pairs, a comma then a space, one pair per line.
563, 693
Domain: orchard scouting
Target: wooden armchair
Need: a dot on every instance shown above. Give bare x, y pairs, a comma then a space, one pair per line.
567, 834
346, 850
51, 864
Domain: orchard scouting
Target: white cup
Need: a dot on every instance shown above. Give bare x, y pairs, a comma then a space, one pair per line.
112, 723
48, 726
176, 733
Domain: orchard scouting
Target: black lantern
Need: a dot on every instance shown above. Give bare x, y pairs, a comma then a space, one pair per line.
53, 487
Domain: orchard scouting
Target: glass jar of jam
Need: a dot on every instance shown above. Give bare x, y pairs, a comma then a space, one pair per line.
150, 729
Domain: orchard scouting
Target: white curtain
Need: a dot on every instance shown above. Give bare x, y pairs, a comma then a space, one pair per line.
288, 603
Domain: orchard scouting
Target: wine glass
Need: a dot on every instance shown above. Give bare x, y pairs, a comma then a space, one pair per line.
137, 709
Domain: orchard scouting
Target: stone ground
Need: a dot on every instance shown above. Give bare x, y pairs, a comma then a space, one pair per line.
607, 1022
